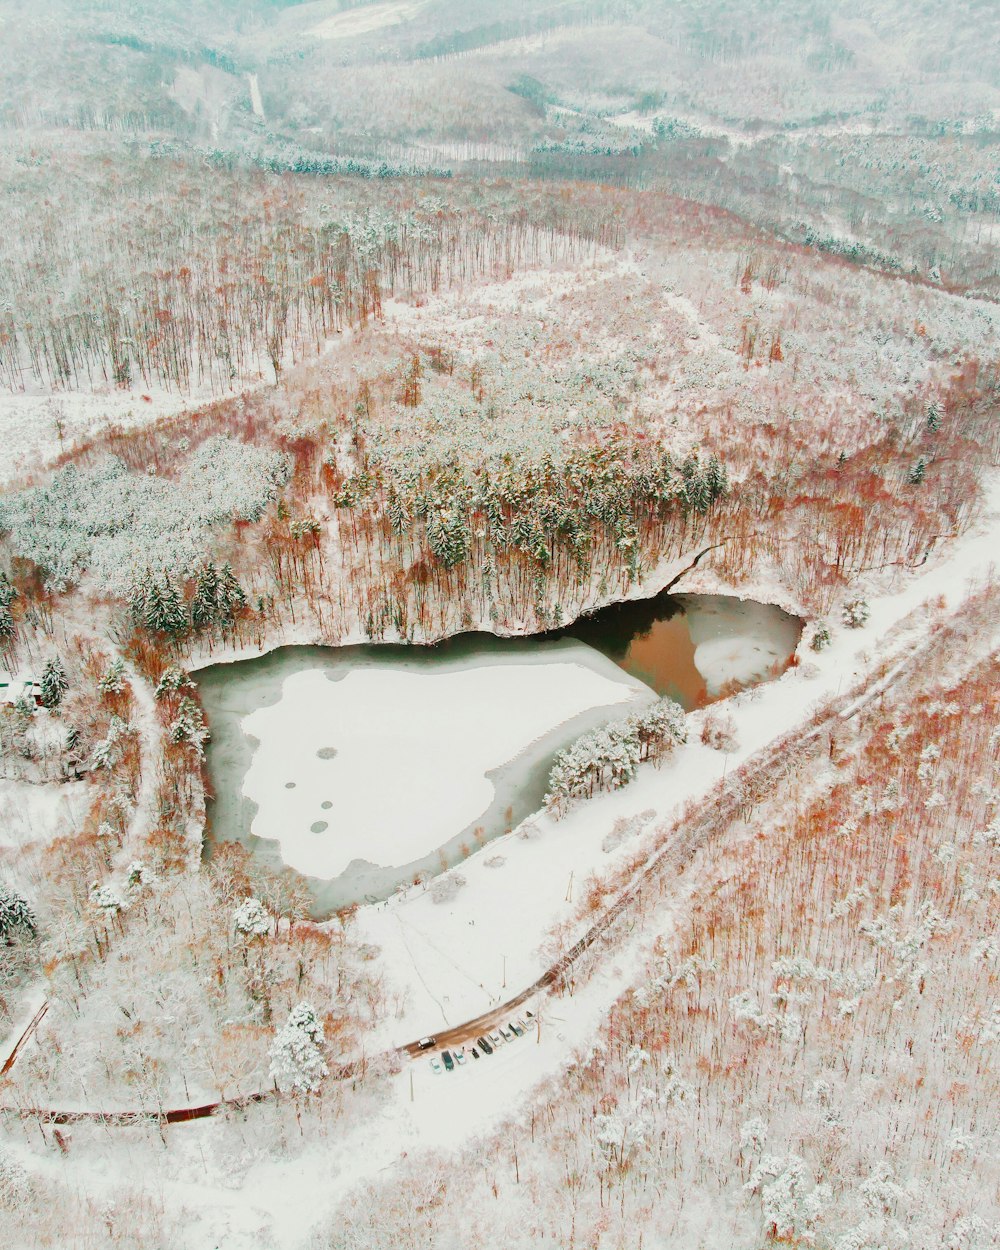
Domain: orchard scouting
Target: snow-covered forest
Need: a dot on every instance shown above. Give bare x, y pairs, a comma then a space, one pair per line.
368, 326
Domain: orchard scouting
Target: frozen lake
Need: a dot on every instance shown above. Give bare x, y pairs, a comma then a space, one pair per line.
361, 767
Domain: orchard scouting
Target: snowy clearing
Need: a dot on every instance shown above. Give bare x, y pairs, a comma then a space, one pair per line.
363, 21
40, 813
35, 428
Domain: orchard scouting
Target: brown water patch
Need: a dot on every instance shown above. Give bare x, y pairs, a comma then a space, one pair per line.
663, 658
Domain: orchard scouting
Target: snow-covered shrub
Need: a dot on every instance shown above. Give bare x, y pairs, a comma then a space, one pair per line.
16, 913
821, 637
172, 682
113, 681
444, 888
106, 752
297, 1062
251, 918
14, 1184
137, 875
855, 613
753, 1134
719, 732
624, 827
495, 861
106, 900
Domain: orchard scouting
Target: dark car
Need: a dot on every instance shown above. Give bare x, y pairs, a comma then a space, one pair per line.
449, 1063
484, 1046
475, 1053
426, 1043
515, 1029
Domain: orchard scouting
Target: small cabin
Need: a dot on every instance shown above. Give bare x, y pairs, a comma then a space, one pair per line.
12, 689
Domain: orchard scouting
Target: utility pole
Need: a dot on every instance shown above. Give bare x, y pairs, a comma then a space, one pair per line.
569, 888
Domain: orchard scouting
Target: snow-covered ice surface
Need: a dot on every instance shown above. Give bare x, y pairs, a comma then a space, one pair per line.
738, 641
386, 764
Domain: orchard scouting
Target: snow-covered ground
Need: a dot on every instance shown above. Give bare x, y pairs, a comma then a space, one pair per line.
387, 764
35, 428
363, 21
40, 813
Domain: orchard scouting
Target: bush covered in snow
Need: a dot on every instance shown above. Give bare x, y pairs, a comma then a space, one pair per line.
855, 613
444, 888
718, 731
297, 1062
821, 637
14, 1184
251, 918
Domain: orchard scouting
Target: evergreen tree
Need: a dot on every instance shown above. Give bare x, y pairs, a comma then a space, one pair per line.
54, 683
175, 618
172, 682
15, 914
154, 614
918, 472
933, 417
232, 600
113, 681
296, 1059
8, 594
138, 596
205, 604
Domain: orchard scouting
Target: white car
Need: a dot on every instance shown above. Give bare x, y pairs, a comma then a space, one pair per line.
435, 1065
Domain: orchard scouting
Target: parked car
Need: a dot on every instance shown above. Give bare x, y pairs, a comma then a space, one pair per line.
515, 1028
475, 1053
460, 1055
506, 1034
435, 1065
449, 1063
484, 1046
426, 1043
496, 1039
525, 1025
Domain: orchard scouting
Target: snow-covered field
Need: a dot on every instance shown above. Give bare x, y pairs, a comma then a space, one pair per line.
35, 428
40, 813
363, 21
387, 764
